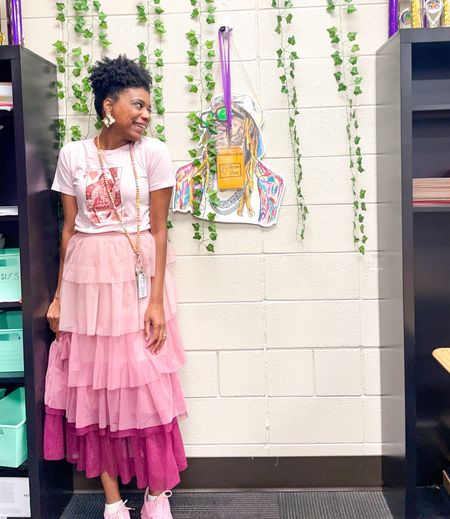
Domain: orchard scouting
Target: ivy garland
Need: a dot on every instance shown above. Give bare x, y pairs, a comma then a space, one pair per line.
349, 80
73, 66
201, 81
143, 12
286, 57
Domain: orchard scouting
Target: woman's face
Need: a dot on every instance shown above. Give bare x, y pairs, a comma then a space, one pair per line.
131, 110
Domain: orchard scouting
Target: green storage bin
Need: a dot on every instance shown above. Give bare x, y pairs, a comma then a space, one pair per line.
13, 432
10, 289
11, 341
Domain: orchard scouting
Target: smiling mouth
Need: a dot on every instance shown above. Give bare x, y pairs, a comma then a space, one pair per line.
141, 125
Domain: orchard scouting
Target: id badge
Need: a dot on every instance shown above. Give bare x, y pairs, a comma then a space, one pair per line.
141, 280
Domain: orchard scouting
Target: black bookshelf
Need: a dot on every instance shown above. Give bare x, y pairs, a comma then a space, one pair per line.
28, 160
413, 141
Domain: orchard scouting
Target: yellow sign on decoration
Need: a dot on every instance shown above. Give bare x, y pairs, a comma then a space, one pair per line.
230, 168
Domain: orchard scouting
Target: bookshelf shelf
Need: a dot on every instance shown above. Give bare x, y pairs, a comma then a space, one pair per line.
413, 129
28, 161
12, 377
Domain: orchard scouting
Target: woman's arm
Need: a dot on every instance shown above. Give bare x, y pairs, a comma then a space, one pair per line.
70, 211
159, 208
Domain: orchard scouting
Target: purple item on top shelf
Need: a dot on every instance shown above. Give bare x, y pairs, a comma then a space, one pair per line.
393, 17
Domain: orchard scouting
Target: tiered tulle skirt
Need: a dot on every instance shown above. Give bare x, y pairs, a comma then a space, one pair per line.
111, 404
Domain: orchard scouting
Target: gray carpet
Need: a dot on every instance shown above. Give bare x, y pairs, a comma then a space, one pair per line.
362, 504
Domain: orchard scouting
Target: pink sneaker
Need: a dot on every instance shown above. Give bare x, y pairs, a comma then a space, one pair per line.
158, 508
123, 513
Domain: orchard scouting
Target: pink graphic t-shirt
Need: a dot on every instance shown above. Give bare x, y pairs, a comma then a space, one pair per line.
79, 174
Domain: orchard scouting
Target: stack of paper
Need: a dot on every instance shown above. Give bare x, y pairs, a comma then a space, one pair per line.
432, 191
9, 210
6, 98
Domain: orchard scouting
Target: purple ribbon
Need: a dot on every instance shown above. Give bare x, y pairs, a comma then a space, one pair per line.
14, 19
224, 40
393, 17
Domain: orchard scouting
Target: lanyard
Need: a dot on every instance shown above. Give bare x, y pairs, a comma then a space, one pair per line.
224, 46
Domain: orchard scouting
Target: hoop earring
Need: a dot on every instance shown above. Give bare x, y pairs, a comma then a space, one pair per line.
108, 120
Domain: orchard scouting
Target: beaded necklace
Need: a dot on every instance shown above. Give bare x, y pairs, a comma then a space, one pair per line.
141, 280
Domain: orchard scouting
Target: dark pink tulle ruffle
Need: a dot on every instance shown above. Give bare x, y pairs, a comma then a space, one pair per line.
154, 455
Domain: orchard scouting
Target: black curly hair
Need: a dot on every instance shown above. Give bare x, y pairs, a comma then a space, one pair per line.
110, 76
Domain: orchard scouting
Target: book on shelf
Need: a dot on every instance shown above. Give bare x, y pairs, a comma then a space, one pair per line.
9, 210
433, 191
6, 97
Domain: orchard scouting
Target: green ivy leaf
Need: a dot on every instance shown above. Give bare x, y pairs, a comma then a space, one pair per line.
159, 26
337, 58
142, 15
352, 36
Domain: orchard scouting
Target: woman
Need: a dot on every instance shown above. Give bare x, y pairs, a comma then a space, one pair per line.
113, 397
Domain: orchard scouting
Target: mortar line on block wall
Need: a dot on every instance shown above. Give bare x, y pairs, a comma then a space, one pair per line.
263, 263
305, 108
279, 397
218, 371
281, 302
229, 302
356, 444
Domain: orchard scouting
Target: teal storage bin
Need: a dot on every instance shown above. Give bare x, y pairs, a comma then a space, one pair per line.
13, 432
10, 289
11, 341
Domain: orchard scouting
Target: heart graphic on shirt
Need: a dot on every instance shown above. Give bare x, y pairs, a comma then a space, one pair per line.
93, 174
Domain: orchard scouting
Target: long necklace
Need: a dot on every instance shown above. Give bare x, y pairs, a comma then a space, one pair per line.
141, 280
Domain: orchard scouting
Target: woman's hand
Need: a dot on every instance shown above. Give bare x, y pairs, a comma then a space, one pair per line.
53, 313
154, 319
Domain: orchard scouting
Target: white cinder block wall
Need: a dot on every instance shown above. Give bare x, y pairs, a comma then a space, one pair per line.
282, 338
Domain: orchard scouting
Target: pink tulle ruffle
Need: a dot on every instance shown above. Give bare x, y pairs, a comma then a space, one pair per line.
154, 455
98, 293
107, 387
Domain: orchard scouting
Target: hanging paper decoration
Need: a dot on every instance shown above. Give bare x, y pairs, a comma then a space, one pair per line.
258, 200
14, 22
233, 127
